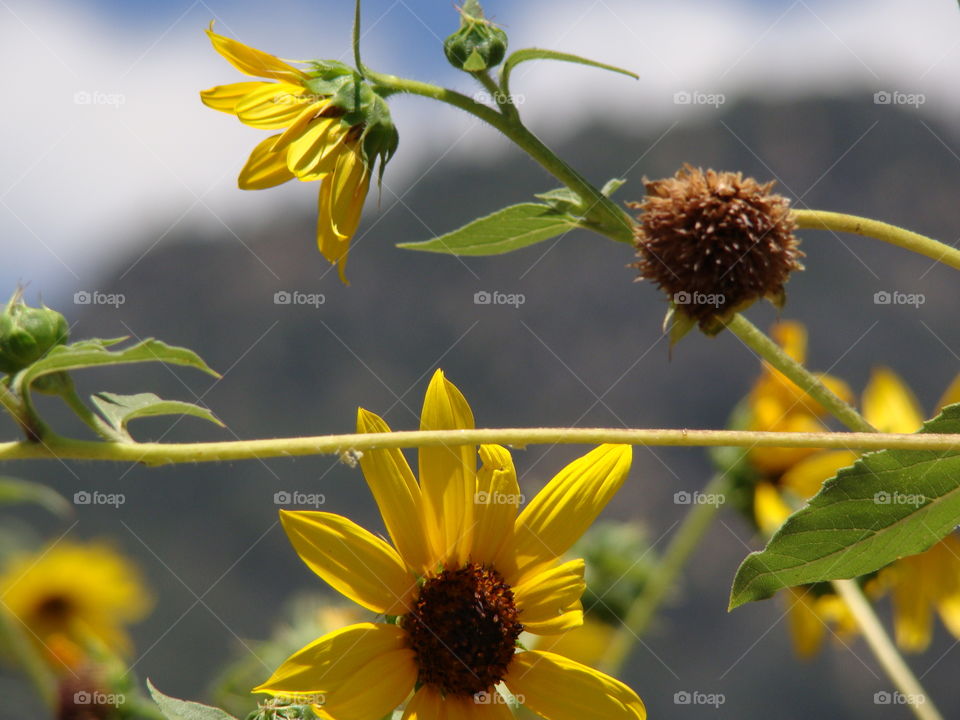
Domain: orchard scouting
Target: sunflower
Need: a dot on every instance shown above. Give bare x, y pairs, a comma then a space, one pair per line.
68, 596
334, 128
464, 577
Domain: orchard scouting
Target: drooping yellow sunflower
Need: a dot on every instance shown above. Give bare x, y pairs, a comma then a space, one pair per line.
69, 595
334, 128
464, 577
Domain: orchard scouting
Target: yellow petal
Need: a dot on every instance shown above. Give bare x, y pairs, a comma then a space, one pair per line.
397, 494
428, 704
806, 627
264, 168
299, 126
352, 560
360, 672
775, 460
807, 476
889, 405
251, 61
550, 600
496, 502
341, 205
272, 106
951, 396
769, 509
564, 509
314, 153
447, 474
225, 97
792, 337
586, 644
558, 688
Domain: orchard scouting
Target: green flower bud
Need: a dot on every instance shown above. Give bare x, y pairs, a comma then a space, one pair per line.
27, 334
478, 45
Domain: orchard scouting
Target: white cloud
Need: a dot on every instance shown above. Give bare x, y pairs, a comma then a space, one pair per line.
104, 138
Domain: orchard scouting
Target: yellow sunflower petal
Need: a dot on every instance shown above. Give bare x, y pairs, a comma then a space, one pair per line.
352, 560
272, 106
912, 608
806, 627
298, 127
564, 509
397, 494
497, 499
428, 704
326, 665
889, 405
251, 61
586, 644
264, 168
376, 689
558, 688
951, 396
447, 474
314, 153
550, 600
769, 509
350, 180
225, 97
792, 337
807, 476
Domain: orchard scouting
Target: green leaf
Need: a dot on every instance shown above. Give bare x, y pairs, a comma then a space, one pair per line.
612, 185
121, 409
504, 231
539, 54
175, 709
14, 491
563, 200
889, 504
96, 353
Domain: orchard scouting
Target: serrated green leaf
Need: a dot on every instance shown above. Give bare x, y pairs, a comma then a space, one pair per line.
95, 353
504, 231
121, 409
175, 709
528, 54
14, 491
889, 504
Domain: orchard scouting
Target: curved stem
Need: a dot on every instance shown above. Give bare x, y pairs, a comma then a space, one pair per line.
55, 446
356, 39
90, 419
885, 651
841, 222
756, 340
502, 99
644, 607
30, 425
607, 217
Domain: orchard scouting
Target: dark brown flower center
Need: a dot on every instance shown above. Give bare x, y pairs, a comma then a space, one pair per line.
463, 629
54, 609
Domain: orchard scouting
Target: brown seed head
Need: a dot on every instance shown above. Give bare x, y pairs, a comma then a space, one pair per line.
715, 242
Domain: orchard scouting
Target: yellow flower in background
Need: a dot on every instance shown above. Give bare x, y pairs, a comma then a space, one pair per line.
334, 128
68, 596
464, 577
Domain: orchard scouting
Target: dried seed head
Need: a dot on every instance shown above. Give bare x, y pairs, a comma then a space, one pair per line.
715, 242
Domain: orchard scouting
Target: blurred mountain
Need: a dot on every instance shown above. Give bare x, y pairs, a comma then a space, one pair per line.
584, 348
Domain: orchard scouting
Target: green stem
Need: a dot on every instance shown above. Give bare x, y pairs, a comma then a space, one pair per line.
502, 99
31, 425
644, 607
756, 340
356, 39
885, 651
90, 419
841, 222
63, 448
26, 656
607, 218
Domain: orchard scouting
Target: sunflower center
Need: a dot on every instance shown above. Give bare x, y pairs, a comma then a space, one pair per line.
463, 629
54, 609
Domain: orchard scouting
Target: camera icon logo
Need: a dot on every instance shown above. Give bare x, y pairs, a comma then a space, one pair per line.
82, 697
882, 697
82, 297
682, 698
682, 98
82, 497
82, 97
482, 297
882, 97
282, 297
682, 498
682, 298
882, 297
282, 498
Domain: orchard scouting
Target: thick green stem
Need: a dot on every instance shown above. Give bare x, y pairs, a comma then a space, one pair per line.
606, 216
840, 222
643, 609
502, 100
886, 652
31, 425
27, 657
767, 349
55, 446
